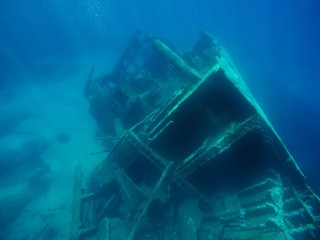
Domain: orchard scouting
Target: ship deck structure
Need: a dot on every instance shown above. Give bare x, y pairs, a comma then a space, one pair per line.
192, 156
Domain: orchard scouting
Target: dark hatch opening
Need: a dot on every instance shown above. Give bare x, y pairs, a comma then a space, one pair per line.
143, 172
245, 161
221, 97
208, 111
190, 128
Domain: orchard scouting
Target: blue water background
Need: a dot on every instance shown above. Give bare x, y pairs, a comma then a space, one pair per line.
274, 44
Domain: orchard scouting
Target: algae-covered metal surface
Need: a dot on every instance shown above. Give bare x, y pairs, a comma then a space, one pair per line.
192, 155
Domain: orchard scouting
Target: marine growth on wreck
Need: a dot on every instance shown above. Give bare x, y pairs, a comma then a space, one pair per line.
192, 155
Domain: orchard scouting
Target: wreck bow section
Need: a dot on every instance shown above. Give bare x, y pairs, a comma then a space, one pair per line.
196, 157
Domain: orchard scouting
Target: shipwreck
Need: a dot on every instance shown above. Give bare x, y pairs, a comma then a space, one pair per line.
192, 155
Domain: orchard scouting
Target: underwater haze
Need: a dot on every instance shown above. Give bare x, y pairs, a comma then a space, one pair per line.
47, 48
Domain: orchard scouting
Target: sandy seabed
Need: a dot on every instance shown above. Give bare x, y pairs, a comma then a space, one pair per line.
58, 114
